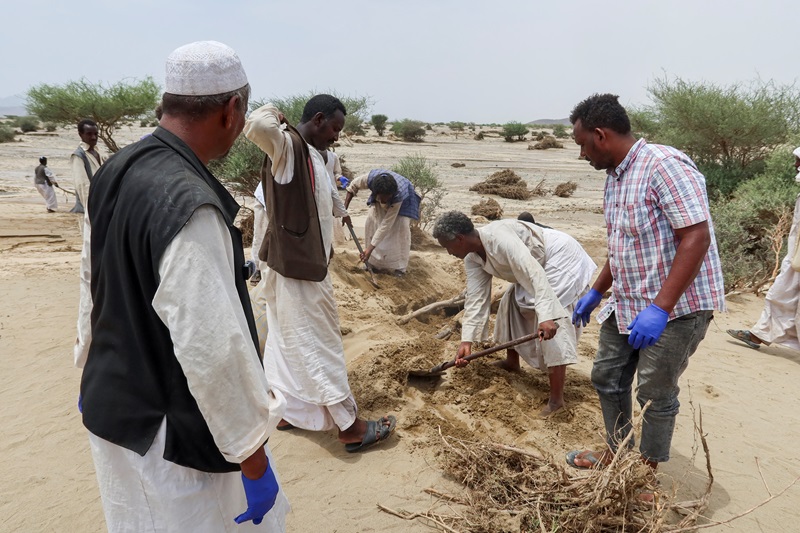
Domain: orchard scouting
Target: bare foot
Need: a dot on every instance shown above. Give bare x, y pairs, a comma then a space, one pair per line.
549, 409
509, 366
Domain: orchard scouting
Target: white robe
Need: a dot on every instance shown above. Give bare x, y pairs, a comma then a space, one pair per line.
334, 169
569, 270
781, 315
200, 306
304, 354
388, 232
515, 252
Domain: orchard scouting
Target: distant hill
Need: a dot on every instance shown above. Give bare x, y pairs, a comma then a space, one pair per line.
17, 111
549, 122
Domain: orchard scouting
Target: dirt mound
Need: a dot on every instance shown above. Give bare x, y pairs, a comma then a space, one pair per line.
545, 143
422, 240
245, 224
488, 208
505, 183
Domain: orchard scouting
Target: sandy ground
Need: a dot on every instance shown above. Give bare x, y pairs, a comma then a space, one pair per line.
748, 398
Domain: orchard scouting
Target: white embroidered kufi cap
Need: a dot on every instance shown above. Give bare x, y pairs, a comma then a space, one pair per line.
204, 68
797, 152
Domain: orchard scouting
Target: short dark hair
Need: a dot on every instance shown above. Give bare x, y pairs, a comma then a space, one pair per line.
322, 103
450, 224
85, 122
602, 111
199, 107
526, 217
43, 160
384, 184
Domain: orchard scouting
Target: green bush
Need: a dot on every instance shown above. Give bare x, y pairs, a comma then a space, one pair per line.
751, 227
514, 131
379, 122
422, 173
409, 130
143, 123
6, 134
27, 124
457, 126
560, 131
50, 126
241, 168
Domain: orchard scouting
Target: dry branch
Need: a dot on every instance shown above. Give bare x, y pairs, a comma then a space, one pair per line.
452, 302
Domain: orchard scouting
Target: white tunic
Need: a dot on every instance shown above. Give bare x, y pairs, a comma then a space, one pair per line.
515, 252
781, 315
304, 355
201, 308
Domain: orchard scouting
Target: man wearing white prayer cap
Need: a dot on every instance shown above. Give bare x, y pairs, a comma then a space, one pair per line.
173, 392
780, 318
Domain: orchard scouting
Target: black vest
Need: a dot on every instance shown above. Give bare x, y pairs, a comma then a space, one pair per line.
140, 199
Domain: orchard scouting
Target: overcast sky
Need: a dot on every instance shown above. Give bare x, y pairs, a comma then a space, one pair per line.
433, 60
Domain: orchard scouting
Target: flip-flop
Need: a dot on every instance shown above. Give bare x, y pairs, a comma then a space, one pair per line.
373, 435
743, 335
587, 455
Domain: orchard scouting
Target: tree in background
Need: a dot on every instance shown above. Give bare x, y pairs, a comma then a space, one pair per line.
514, 131
241, 168
379, 122
358, 108
422, 173
409, 130
457, 127
728, 131
108, 105
560, 131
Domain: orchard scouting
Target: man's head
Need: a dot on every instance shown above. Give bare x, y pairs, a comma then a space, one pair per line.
384, 187
602, 129
322, 120
87, 130
206, 97
43, 160
797, 158
526, 217
456, 233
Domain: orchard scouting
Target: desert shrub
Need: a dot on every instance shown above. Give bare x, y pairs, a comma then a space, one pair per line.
143, 123
560, 131
488, 208
727, 130
544, 144
27, 124
428, 127
409, 130
50, 127
458, 165
379, 122
346, 172
514, 131
292, 108
6, 134
153, 123
505, 183
241, 168
478, 136
751, 227
565, 190
422, 173
457, 126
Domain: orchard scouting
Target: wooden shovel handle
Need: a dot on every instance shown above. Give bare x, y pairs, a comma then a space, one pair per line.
491, 350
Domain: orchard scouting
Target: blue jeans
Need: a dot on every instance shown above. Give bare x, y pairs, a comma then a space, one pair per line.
658, 369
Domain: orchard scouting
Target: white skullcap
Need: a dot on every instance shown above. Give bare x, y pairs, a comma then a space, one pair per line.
797, 152
204, 68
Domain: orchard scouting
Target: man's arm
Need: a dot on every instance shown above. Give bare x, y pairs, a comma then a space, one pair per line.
604, 279
692, 248
212, 341
263, 127
85, 304
477, 306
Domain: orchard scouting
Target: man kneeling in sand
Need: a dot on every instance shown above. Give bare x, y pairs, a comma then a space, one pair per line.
515, 251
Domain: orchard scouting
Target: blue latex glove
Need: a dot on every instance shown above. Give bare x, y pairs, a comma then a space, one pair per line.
80, 403
260, 494
647, 327
585, 306
344, 181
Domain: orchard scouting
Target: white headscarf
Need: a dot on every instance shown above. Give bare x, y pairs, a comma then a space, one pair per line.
797, 155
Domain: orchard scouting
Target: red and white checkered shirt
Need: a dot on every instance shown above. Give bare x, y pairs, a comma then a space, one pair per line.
655, 190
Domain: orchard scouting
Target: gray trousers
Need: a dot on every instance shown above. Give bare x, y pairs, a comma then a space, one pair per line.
657, 369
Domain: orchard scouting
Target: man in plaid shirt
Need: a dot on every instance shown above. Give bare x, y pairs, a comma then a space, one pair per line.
663, 270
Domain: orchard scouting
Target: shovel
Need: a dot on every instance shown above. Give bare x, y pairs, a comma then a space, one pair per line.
361, 251
437, 371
